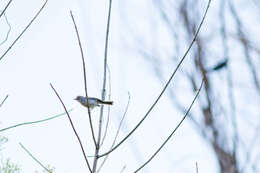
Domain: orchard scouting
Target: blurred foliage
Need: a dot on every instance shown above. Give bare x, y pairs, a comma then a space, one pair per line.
49, 168
6, 166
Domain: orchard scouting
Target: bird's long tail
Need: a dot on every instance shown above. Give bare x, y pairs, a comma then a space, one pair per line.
106, 102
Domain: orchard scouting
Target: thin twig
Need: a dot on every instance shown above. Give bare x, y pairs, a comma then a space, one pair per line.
250, 149
103, 90
24, 30
8, 32
34, 158
117, 132
123, 169
34, 122
74, 130
4, 100
5, 8
175, 129
85, 80
165, 87
197, 169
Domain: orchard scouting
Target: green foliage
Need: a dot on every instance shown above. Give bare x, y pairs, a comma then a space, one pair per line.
8, 167
2, 141
51, 170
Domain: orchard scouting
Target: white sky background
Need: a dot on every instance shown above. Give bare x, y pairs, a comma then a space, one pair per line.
49, 52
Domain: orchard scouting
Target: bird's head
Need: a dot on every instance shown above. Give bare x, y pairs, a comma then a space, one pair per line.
78, 98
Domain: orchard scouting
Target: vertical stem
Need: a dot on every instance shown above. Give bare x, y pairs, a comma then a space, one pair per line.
103, 91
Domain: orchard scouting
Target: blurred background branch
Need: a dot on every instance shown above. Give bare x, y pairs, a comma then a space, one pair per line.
226, 55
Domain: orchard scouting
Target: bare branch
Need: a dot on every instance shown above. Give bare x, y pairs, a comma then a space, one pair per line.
229, 80
5, 8
123, 169
165, 87
117, 132
34, 122
4, 100
34, 158
103, 90
85, 80
175, 129
245, 44
71, 123
24, 30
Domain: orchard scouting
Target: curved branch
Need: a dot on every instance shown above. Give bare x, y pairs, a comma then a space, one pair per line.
8, 32
34, 122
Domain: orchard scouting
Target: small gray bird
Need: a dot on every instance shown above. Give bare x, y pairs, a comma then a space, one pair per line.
92, 102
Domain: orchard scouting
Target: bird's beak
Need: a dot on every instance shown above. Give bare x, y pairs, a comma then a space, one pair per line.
75, 99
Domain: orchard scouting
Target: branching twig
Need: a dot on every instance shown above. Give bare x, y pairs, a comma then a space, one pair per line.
28, 152
165, 87
34, 122
23, 30
85, 79
103, 90
71, 123
117, 132
4, 100
175, 129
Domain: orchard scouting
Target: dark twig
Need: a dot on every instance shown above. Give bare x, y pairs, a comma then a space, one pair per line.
28, 152
165, 87
34, 122
71, 123
123, 169
5, 8
24, 30
117, 132
197, 169
85, 79
103, 90
4, 100
175, 129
